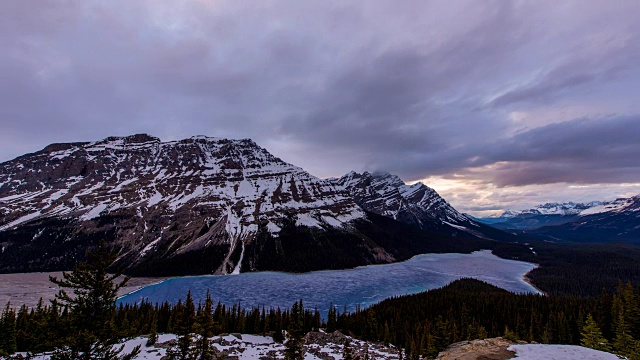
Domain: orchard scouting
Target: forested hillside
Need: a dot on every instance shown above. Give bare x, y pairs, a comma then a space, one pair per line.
469, 309
576, 269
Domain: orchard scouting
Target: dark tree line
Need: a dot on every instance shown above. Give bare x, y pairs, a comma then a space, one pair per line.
427, 323
576, 269
88, 325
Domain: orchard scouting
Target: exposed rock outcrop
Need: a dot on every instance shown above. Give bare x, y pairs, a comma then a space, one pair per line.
487, 349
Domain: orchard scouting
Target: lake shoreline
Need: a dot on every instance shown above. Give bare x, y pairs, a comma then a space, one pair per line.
361, 286
528, 280
28, 288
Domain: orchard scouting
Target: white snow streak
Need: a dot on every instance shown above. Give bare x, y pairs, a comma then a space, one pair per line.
236, 271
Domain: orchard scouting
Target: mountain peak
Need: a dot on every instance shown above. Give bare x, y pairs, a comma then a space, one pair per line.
181, 196
386, 194
139, 139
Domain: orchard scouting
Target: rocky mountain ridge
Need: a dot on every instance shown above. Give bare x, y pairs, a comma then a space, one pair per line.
415, 204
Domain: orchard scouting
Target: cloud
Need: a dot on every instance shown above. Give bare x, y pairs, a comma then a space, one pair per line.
582, 151
421, 89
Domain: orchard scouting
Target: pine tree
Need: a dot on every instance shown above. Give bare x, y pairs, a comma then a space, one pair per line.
39, 331
92, 309
294, 349
184, 319
631, 309
481, 332
8, 339
591, 336
623, 343
205, 327
347, 352
153, 334
509, 334
331, 319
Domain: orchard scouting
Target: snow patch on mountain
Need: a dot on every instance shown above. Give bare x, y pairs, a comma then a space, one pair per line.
21, 220
610, 206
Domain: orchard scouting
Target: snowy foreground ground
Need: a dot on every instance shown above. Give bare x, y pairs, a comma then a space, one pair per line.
243, 346
558, 352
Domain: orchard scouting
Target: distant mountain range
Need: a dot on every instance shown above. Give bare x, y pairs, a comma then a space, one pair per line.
210, 205
598, 221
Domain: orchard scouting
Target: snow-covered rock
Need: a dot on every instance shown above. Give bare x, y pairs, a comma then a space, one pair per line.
246, 347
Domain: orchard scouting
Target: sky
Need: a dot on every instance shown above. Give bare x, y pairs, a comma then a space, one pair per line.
495, 104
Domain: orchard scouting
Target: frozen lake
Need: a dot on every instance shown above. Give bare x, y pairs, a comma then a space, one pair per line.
364, 285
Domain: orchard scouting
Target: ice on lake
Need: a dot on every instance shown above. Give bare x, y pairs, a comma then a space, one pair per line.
362, 286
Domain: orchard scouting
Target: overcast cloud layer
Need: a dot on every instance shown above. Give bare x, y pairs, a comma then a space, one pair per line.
497, 104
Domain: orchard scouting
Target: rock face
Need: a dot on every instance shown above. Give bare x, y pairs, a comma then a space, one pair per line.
158, 199
205, 205
487, 349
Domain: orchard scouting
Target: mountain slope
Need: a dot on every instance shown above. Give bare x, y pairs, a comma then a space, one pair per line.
416, 204
157, 201
194, 206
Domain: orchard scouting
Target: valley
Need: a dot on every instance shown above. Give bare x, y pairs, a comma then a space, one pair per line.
225, 217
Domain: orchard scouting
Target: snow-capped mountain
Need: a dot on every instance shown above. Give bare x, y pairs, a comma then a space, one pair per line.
571, 208
198, 205
615, 206
568, 208
416, 204
173, 197
596, 221
231, 179
615, 221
